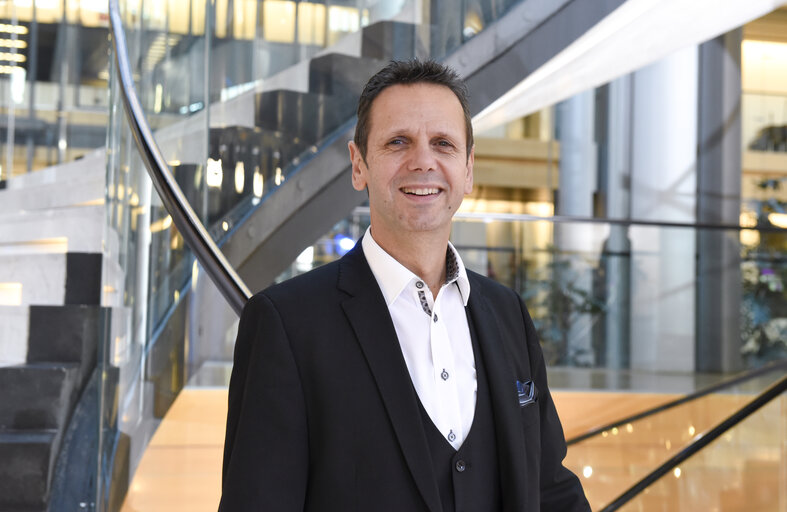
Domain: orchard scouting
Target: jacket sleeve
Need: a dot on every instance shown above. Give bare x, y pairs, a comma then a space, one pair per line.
560, 488
265, 448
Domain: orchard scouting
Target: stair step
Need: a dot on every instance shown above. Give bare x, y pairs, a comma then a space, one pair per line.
389, 40
27, 459
50, 279
91, 166
307, 117
14, 326
38, 278
37, 396
65, 334
342, 76
74, 229
88, 189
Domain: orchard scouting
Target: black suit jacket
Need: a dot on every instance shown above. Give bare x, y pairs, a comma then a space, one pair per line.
323, 415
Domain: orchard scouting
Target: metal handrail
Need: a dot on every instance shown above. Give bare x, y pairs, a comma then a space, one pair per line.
703, 441
571, 219
185, 219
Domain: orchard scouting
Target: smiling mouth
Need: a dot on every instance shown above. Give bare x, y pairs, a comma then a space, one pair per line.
420, 191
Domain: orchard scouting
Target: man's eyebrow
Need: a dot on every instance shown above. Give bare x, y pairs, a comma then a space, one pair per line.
405, 132
393, 130
445, 135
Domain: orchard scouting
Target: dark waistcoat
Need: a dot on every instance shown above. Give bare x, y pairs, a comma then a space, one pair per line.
468, 479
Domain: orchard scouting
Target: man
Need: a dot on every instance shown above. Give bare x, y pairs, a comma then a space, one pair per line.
394, 379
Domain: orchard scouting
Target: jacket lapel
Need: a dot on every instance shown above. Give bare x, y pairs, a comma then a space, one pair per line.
368, 314
505, 407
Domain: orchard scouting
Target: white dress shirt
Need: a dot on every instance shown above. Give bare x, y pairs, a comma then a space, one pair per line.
434, 336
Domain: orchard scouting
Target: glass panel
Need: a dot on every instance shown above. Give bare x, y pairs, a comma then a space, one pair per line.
579, 294
311, 23
600, 294
245, 19
54, 75
596, 306
745, 469
278, 21
271, 108
611, 462
197, 17
178, 23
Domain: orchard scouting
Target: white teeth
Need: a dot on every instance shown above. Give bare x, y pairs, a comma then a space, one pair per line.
420, 191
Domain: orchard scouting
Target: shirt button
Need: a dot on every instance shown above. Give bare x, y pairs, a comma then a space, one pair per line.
419, 284
444, 375
461, 466
435, 318
451, 436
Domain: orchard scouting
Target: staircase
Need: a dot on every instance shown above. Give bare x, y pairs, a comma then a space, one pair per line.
290, 136
298, 122
51, 228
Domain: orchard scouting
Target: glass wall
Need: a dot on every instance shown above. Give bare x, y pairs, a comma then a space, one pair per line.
584, 299
53, 83
240, 94
744, 469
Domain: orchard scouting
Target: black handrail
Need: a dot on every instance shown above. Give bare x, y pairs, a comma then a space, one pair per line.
191, 229
738, 379
741, 414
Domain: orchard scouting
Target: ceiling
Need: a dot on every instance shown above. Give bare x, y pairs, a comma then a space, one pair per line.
636, 34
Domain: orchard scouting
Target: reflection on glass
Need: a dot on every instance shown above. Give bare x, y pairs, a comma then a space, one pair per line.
745, 469
228, 168
621, 456
278, 21
311, 23
579, 295
176, 15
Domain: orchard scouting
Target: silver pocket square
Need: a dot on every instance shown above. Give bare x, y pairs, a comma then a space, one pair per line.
526, 391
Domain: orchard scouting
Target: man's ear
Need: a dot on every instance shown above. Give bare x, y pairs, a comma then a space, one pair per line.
359, 167
469, 175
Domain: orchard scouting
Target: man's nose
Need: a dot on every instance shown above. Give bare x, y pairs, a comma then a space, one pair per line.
422, 157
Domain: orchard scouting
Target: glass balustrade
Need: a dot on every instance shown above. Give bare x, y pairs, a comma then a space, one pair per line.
630, 310
240, 95
614, 460
243, 95
612, 295
562, 271
53, 83
744, 469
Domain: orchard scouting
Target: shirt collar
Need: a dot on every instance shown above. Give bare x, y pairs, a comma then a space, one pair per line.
393, 277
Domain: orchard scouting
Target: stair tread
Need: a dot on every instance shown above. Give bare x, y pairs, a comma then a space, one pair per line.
37, 395
66, 229
90, 164
16, 436
53, 195
42, 365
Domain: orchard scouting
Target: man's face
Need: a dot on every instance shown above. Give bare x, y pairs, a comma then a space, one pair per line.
417, 170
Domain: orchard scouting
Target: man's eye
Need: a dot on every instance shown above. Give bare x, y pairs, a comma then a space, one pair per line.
444, 143
396, 142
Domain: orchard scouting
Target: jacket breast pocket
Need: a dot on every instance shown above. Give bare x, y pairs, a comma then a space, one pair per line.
530, 414
527, 394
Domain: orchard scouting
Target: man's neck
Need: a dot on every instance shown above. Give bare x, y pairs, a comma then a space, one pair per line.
423, 254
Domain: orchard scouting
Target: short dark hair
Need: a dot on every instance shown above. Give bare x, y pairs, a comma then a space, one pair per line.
404, 73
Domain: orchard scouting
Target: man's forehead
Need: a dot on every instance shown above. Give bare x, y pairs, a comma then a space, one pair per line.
416, 88
413, 92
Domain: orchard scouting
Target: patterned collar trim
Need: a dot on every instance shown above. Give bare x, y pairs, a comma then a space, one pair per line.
393, 277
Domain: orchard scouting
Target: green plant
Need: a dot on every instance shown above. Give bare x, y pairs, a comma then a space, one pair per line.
556, 298
764, 274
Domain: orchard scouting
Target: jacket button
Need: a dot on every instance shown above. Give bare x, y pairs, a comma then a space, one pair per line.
461, 466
